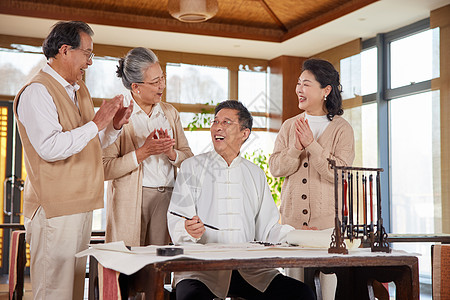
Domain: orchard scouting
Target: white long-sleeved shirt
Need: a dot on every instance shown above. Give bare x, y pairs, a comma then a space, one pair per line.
40, 119
157, 169
234, 198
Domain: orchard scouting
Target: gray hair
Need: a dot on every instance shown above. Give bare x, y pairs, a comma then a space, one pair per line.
131, 68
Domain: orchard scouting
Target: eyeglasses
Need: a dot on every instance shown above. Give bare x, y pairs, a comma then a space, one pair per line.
157, 82
224, 123
89, 54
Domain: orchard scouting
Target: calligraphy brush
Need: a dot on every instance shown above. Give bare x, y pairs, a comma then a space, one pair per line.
181, 216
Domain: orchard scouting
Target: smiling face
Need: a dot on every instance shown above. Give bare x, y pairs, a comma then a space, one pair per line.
78, 60
227, 135
311, 95
150, 91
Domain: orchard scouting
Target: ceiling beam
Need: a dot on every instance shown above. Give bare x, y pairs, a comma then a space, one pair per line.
57, 12
103, 17
326, 17
273, 15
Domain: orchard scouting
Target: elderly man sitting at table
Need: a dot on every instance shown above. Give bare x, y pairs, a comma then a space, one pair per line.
223, 189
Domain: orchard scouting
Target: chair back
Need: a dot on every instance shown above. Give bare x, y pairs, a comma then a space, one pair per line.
440, 258
108, 284
17, 263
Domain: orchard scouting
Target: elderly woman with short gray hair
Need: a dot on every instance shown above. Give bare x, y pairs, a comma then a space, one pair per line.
141, 165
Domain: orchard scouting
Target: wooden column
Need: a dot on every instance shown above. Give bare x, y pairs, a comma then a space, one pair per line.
283, 104
233, 84
440, 18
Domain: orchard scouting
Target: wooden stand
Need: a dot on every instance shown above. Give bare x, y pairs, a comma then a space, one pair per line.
349, 229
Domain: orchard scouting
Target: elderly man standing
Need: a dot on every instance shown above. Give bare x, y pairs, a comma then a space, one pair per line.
62, 138
222, 188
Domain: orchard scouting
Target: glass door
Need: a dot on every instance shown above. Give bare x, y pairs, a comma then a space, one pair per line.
11, 180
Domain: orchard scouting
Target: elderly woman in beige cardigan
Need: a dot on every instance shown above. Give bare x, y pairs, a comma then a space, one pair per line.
141, 165
303, 145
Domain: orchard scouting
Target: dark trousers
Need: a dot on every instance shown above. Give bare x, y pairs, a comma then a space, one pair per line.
281, 287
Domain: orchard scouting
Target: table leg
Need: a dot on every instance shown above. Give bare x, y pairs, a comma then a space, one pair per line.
93, 278
404, 277
150, 281
354, 282
405, 287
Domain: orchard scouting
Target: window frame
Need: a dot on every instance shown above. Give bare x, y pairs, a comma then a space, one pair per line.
233, 64
383, 95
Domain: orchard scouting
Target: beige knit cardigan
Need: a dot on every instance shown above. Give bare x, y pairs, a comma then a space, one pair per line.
124, 200
307, 195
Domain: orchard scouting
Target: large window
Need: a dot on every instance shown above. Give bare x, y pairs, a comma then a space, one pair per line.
369, 121
252, 90
253, 94
408, 132
193, 85
415, 173
397, 128
350, 76
369, 71
414, 58
101, 78
414, 145
196, 84
358, 78
18, 66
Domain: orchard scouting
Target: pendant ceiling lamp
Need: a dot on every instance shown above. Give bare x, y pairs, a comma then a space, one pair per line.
192, 11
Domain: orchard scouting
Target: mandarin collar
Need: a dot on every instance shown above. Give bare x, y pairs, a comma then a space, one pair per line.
217, 157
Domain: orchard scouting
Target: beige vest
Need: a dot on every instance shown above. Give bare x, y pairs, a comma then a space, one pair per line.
75, 184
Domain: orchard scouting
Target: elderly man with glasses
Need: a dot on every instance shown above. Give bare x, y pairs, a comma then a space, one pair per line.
223, 189
63, 138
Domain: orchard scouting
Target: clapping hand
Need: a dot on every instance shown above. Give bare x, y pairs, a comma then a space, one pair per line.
303, 134
107, 111
154, 146
171, 154
122, 115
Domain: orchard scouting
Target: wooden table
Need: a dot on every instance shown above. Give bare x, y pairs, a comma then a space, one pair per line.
355, 274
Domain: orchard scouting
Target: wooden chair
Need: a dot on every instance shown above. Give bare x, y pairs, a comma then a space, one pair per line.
108, 284
17, 263
103, 282
440, 269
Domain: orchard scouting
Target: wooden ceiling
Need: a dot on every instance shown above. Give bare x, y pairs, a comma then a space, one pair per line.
264, 20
